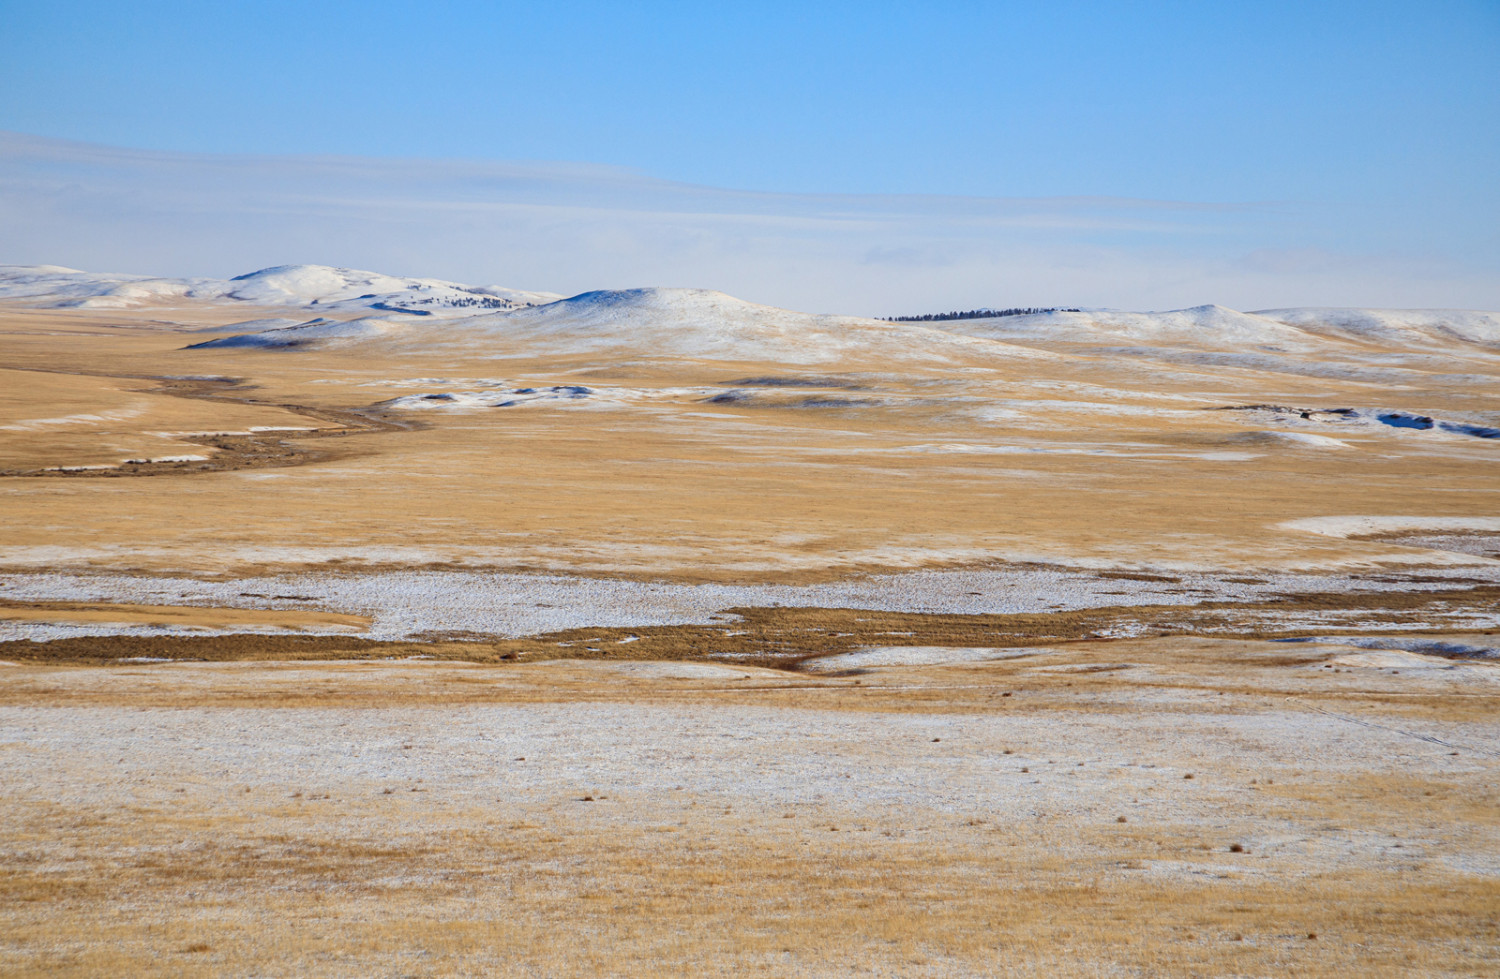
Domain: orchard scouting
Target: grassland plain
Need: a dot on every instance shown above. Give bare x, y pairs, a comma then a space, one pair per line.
425, 652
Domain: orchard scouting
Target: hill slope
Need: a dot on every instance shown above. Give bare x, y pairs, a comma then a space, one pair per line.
690, 323
1393, 326
1218, 328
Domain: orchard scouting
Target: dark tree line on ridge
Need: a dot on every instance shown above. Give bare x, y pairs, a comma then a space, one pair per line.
979, 314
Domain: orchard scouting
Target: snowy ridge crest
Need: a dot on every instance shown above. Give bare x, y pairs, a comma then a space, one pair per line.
693, 323
319, 287
707, 324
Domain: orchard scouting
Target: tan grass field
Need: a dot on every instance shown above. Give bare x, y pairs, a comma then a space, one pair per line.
1070, 470
263, 783
183, 616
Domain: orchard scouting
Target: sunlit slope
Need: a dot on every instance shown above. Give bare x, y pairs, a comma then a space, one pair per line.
1303, 330
1207, 327
1407, 328
694, 324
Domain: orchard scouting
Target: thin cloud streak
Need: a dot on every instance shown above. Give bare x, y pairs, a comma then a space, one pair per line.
572, 227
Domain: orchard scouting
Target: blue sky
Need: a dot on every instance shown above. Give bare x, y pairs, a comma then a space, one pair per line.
1364, 133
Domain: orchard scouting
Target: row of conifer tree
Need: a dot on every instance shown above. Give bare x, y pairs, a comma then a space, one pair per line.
979, 314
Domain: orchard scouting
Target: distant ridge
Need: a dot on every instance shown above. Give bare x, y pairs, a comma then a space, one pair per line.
637, 323
315, 305
314, 287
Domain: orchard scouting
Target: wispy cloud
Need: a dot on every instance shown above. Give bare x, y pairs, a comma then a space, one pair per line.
570, 227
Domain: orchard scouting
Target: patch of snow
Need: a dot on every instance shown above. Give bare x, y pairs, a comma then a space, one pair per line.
874, 656
1364, 526
1301, 440
656, 669
90, 418
313, 331
1223, 456
557, 394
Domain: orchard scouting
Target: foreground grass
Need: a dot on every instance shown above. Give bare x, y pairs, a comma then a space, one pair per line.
1302, 845
735, 898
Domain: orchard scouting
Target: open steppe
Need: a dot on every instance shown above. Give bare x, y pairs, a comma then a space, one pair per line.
424, 630
919, 449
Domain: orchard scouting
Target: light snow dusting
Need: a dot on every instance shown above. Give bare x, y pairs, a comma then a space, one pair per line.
404, 604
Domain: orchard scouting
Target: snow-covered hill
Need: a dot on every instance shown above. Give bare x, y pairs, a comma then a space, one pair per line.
1219, 328
1215, 327
711, 325
1393, 327
706, 324
317, 287
694, 323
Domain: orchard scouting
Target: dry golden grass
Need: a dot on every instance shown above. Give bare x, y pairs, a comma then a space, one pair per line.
681, 488
182, 616
508, 901
333, 875
54, 419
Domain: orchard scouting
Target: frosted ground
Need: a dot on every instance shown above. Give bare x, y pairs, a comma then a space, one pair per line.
404, 605
1011, 815
358, 624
